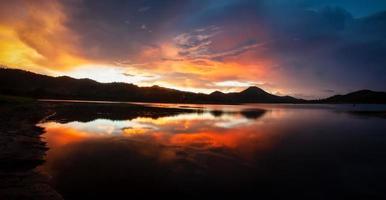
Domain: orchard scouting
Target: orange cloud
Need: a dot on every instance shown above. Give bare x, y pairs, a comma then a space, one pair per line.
183, 131
57, 136
36, 37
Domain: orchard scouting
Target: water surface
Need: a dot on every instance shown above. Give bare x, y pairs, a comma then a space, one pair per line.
265, 151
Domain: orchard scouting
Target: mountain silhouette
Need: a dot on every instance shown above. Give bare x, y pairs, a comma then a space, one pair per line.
254, 94
361, 96
23, 83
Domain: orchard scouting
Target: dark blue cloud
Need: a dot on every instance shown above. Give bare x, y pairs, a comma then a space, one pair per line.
322, 43
116, 29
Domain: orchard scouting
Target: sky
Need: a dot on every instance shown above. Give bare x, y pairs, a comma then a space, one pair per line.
304, 48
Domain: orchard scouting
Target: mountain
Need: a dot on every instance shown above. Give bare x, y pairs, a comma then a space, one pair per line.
361, 96
23, 83
254, 94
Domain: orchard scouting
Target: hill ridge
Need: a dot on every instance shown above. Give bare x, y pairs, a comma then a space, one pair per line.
18, 82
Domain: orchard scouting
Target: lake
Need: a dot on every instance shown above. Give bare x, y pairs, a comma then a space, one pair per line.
256, 150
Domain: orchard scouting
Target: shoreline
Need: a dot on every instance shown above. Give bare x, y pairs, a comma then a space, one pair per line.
22, 149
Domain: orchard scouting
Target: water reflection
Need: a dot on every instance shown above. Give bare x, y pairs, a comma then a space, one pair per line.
277, 152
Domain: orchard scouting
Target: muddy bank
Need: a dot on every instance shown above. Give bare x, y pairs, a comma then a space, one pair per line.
21, 150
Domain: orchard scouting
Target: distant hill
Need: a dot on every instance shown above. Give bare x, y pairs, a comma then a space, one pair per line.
361, 96
22, 83
17, 82
253, 95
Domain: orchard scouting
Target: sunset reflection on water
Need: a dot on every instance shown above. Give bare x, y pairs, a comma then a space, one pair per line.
192, 131
247, 151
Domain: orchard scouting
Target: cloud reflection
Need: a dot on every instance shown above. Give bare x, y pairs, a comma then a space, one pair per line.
184, 147
218, 154
194, 129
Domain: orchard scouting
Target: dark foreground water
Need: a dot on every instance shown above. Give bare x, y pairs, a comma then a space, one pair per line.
254, 151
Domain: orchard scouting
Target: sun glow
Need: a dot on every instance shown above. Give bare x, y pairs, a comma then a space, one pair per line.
106, 74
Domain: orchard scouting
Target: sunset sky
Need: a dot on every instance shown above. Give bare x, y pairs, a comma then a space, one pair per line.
304, 48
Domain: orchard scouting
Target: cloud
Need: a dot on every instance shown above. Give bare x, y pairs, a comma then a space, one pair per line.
139, 75
328, 91
297, 47
39, 38
111, 31
127, 74
199, 44
196, 44
144, 9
